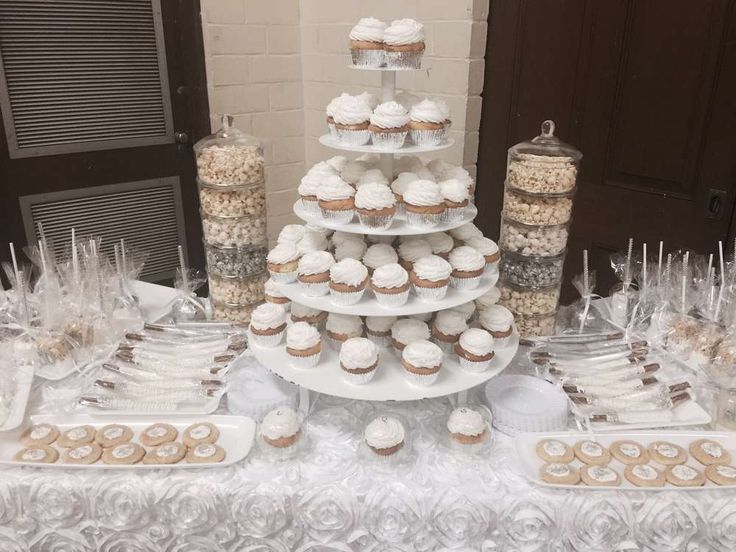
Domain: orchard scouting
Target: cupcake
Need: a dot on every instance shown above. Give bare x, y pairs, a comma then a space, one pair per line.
403, 44
405, 331
366, 43
372, 176
281, 428
282, 263
376, 206
314, 317
338, 237
488, 299
378, 329
358, 360
352, 118
267, 324
441, 244
423, 204
466, 309
341, 327
399, 186
465, 232
312, 241
426, 124
292, 233
475, 350
422, 361
378, 255
352, 171
273, 295
446, 330
348, 280
425, 174
466, 426
389, 126
309, 185
467, 267
303, 345
390, 284
455, 194
498, 320
336, 200
487, 248
337, 162
384, 436
431, 278
330, 113
411, 250
351, 248
313, 273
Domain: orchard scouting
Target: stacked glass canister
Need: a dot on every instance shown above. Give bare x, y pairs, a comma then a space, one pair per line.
540, 183
232, 198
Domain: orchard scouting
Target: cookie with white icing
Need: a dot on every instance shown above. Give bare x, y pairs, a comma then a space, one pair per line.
629, 452
592, 453
721, 474
38, 454
88, 453
559, 474
205, 453
158, 434
200, 433
168, 453
112, 435
682, 475
709, 452
77, 436
644, 475
599, 476
123, 454
554, 451
667, 454
39, 435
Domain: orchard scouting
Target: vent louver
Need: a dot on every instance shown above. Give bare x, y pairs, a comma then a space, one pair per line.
83, 75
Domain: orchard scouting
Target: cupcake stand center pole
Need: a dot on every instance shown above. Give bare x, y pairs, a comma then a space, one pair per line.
388, 91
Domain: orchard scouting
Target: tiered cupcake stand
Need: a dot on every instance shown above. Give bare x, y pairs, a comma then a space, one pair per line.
389, 383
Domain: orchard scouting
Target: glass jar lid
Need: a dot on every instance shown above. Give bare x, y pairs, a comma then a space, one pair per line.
227, 135
547, 144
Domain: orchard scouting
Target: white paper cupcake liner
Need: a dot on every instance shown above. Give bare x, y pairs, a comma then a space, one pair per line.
338, 217
469, 448
422, 220
311, 207
472, 366
346, 298
427, 137
464, 284
335, 344
368, 58
353, 137
430, 294
500, 342
421, 380
446, 347
404, 60
381, 341
358, 379
333, 131
377, 222
305, 362
388, 140
283, 277
267, 340
453, 214
315, 289
392, 300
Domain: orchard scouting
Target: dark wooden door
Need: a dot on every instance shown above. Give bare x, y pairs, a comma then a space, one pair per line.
646, 89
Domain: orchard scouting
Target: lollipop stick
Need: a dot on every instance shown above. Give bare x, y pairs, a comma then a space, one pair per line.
644, 266
683, 289
15, 263
627, 266
182, 265
723, 280
659, 263
586, 284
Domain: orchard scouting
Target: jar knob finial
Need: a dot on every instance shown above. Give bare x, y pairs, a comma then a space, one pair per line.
548, 128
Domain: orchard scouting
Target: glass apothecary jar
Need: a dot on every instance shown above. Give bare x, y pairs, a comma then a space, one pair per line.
544, 164
530, 239
537, 209
237, 291
236, 262
237, 314
229, 157
535, 325
529, 299
233, 231
531, 270
233, 201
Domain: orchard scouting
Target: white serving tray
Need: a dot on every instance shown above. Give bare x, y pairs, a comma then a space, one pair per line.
525, 445
207, 407
368, 306
407, 149
23, 381
237, 434
397, 228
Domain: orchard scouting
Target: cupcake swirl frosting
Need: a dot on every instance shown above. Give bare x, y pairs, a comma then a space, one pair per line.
301, 335
450, 322
312, 241
315, 262
380, 323
390, 115
466, 258
334, 188
390, 276
283, 253
426, 111
371, 176
280, 422
351, 111
384, 432
414, 248
348, 271
443, 107
401, 182
466, 421
454, 190
496, 318
407, 330
440, 242
368, 98
422, 354
432, 268
267, 316
339, 237
466, 231
291, 233
352, 171
484, 246
374, 196
322, 168
350, 249
423, 193
476, 341
309, 184
466, 309
403, 31
488, 299
358, 352
378, 255
368, 29
334, 102
337, 162
345, 324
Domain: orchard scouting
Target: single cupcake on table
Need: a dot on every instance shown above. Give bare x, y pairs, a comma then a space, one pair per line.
378, 329
465, 232
352, 171
389, 126
352, 248
372, 176
446, 329
488, 248
379, 254
376, 206
411, 250
281, 427
291, 233
475, 350
267, 324
358, 360
314, 317
341, 327
330, 111
441, 244
282, 263
455, 194
422, 362
499, 321
399, 186
384, 436
390, 284
312, 241
303, 345
426, 124
403, 44
488, 299
352, 117
431, 278
423, 204
366, 42
467, 426
348, 280
467, 267
313, 273
336, 200
406, 330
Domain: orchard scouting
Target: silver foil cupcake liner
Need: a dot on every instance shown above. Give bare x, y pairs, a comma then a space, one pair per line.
267, 340
446, 347
353, 137
423, 220
305, 362
464, 284
368, 58
346, 298
315, 289
404, 60
376, 222
427, 137
392, 300
283, 277
381, 341
421, 380
472, 366
453, 214
430, 293
388, 140
400, 209
338, 217
358, 379
311, 207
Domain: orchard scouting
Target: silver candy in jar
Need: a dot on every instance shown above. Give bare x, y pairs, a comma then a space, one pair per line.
524, 270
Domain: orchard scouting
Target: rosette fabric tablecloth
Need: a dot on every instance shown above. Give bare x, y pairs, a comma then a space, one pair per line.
331, 498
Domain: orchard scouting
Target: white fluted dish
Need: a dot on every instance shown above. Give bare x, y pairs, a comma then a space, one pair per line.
406, 149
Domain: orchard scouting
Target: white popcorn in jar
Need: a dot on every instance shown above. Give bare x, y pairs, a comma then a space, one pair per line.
533, 240
230, 164
529, 300
233, 313
534, 210
238, 202
541, 173
237, 291
234, 231
535, 325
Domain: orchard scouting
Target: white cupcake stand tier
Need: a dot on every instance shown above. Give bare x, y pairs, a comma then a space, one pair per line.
389, 382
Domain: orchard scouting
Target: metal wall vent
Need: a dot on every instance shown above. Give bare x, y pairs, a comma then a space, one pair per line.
83, 75
146, 214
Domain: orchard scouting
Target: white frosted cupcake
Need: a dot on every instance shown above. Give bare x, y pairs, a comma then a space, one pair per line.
313, 273
499, 321
372, 176
312, 241
399, 186
273, 295
488, 248
441, 244
281, 427
467, 267
456, 198
309, 185
291, 233
376, 206
366, 42
403, 44
303, 345
390, 284
465, 232
267, 324
282, 263
466, 427
431, 278
427, 124
314, 317
423, 204
384, 436
336, 200
411, 250
330, 113
359, 360
389, 126
348, 280
422, 361
446, 329
488, 299
378, 329
352, 117
378, 255
445, 110
352, 171
352, 248
475, 350
406, 330
341, 327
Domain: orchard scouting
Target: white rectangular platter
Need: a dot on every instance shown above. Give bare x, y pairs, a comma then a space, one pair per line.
23, 381
688, 413
525, 445
237, 434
